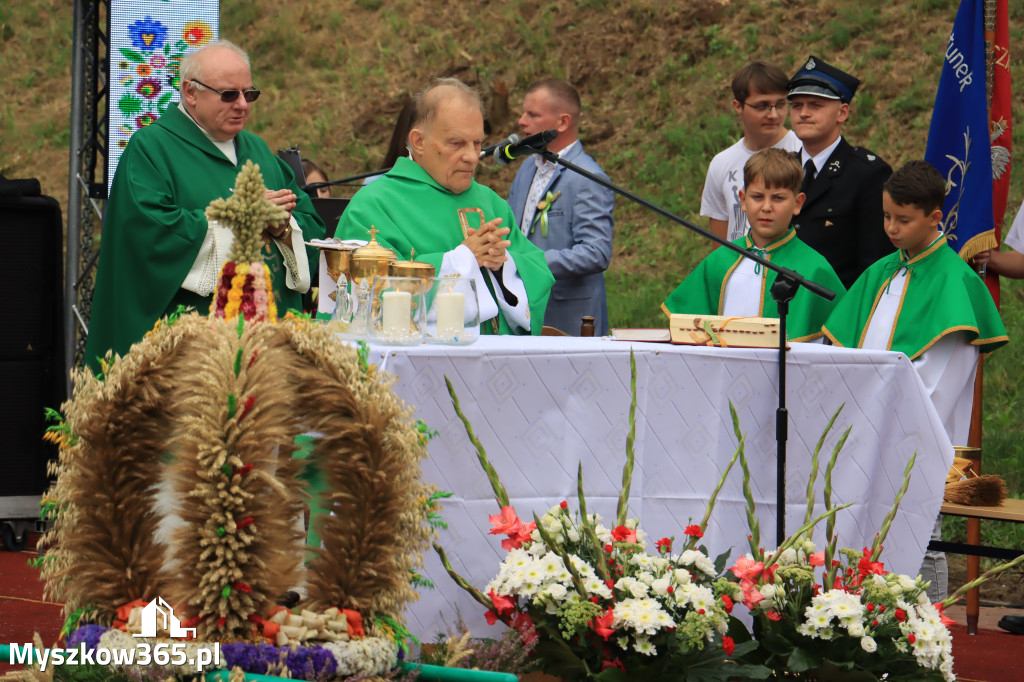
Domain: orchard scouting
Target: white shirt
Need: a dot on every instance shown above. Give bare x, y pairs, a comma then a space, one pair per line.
541, 178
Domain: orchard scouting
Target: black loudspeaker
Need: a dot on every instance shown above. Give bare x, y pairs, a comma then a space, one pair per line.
32, 340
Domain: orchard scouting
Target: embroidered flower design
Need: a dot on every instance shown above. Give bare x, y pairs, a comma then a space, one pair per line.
197, 33
148, 34
148, 88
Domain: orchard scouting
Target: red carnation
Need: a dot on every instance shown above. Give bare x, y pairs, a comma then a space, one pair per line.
728, 645
694, 531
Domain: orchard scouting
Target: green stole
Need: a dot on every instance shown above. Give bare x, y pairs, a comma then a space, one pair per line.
942, 295
703, 291
411, 210
155, 224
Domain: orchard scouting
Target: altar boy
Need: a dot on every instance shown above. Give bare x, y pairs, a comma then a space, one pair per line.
926, 302
726, 283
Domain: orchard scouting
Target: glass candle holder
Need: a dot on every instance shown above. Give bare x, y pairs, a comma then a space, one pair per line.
397, 310
453, 315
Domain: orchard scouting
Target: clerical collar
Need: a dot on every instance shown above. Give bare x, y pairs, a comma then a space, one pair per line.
541, 161
821, 158
226, 147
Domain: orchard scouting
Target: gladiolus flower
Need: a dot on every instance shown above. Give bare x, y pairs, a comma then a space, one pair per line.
817, 559
503, 604
747, 568
602, 625
504, 523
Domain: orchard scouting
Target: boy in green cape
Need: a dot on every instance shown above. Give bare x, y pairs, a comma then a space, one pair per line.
926, 302
726, 283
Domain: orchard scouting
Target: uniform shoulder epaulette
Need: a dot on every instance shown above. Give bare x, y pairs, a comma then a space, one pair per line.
867, 155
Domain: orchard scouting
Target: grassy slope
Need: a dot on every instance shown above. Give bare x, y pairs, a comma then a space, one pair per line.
654, 77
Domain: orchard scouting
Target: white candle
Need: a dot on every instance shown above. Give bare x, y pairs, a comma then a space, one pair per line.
451, 308
397, 310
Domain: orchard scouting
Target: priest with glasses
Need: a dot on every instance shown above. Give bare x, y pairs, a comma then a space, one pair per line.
158, 250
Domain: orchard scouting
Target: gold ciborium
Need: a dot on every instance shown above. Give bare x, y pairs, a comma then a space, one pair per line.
371, 260
415, 269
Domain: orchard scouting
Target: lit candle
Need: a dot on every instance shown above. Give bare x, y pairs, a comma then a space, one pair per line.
451, 312
397, 310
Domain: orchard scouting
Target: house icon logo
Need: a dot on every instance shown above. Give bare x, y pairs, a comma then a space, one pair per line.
158, 614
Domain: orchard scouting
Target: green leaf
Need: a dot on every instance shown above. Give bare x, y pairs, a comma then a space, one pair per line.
133, 55
163, 102
129, 105
801, 661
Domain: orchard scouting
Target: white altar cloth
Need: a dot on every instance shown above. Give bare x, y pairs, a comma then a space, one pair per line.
540, 405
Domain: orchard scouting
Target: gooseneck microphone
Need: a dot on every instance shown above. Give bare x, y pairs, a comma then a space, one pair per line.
506, 153
488, 151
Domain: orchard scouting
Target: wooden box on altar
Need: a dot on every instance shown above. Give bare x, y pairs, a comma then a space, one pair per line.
719, 330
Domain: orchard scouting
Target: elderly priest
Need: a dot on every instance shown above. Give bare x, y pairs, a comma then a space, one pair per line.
431, 203
158, 249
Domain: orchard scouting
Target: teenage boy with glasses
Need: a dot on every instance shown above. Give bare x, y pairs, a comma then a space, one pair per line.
759, 89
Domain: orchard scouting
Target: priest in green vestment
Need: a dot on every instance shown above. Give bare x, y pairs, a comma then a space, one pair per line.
431, 204
158, 250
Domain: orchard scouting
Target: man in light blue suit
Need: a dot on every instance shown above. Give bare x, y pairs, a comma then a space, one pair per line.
565, 214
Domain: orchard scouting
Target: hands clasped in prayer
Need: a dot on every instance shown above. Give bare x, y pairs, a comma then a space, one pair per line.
488, 244
286, 199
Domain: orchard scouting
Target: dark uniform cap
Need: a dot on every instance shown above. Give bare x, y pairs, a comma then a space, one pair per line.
822, 80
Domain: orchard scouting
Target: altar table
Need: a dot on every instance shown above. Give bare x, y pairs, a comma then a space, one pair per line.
542, 405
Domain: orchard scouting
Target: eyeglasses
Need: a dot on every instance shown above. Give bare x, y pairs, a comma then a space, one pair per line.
250, 95
764, 107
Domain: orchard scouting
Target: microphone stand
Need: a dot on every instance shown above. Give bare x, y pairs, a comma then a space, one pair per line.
787, 283
314, 186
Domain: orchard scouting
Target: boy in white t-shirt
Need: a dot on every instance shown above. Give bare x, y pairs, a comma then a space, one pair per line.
760, 90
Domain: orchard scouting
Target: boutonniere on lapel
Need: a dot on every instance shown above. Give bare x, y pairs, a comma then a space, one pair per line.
541, 216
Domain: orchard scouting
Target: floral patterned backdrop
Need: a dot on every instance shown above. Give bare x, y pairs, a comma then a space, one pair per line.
148, 41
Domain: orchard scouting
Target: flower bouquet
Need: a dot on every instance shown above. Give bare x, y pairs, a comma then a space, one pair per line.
600, 606
851, 621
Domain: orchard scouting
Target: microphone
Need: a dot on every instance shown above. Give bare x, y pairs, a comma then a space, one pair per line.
488, 151
534, 144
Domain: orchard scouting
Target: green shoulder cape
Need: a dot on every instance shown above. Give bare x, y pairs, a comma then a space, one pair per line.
412, 211
942, 295
702, 292
155, 224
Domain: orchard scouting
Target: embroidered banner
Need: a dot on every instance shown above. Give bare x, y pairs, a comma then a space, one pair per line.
148, 39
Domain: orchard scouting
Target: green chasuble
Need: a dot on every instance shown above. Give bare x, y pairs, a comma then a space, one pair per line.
412, 211
703, 291
155, 225
942, 295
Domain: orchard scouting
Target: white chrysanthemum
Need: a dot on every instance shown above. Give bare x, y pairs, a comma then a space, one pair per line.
846, 606
868, 644
551, 566
623, 642
646, 577
595, 586
645, 647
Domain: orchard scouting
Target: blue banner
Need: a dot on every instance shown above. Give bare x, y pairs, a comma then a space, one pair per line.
958, 140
